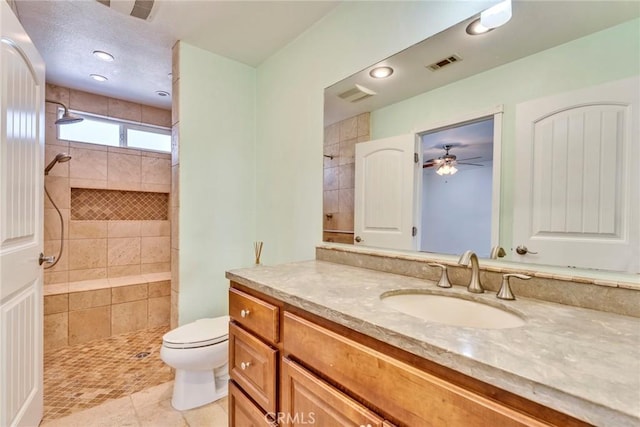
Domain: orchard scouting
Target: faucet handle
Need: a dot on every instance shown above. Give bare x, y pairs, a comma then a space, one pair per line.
444, 277
505, 289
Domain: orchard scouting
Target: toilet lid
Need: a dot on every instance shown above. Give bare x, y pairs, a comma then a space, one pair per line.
200, 333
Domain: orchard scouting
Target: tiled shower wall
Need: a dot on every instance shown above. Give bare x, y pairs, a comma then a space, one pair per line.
175, 184
103, 248
339, 142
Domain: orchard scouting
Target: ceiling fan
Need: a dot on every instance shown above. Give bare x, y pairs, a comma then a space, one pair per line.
446, 164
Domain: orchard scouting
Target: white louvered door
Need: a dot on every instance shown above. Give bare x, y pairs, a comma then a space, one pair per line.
21, 211
577, 182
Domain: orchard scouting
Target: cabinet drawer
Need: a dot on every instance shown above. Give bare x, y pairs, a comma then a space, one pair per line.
243, 412
253, 366
254, 314
306, 399
410, 396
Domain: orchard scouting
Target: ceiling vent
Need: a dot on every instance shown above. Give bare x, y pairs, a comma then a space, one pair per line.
136, 8
358, 93
444, 62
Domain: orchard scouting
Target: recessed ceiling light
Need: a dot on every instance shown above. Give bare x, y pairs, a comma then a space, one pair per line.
162, 93
98, 77
475, 28
381, 72
105, 56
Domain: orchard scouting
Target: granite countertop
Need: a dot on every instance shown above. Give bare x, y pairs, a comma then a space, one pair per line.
581, 362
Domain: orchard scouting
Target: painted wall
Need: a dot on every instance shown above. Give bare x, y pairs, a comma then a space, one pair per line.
583, 62
217, 177
251, 140
456, 211
290, 87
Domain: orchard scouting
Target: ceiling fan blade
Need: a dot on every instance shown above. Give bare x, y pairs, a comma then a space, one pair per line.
469, 158
472, 164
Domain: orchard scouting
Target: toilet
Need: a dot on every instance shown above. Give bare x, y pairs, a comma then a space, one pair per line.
199, 352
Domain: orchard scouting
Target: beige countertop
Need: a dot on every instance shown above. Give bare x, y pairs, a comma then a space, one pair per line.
582, 362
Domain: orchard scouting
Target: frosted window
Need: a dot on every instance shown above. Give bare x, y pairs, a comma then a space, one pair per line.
91, 131
148, 140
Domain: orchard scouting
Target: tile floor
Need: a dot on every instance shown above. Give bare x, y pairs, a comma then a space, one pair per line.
106, 383
147, 408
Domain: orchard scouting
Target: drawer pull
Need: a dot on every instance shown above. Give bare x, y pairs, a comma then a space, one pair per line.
245, 365
244, 313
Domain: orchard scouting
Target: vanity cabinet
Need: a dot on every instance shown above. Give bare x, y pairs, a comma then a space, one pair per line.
311, 400
253, 358
335, 376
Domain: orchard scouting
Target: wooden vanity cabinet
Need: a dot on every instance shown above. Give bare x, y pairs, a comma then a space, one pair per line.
254, 331
310, 400
340, 377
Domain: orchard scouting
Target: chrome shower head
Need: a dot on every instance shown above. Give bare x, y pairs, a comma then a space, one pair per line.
67, 117
59, 158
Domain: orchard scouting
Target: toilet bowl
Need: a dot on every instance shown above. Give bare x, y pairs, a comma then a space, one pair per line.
199, 352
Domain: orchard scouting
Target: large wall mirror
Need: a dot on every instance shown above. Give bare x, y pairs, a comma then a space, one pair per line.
461, 101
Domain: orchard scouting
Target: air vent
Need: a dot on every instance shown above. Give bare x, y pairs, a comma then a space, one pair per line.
136, 8
358, 93
444, 62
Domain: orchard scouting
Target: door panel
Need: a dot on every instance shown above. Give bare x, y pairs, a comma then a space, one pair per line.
385, 193
21, 179
577, 191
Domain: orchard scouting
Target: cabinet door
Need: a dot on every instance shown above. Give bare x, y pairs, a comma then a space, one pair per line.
252, 364
255, 315
306, 399
243, 413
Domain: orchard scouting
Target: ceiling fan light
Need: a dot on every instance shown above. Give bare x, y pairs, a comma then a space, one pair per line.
452, 170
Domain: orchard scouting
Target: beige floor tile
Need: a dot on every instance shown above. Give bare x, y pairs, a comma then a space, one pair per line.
224, 403
213, 415
161, 414
117, 412
152, 395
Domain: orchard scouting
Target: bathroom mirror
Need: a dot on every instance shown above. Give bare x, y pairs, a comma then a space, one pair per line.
547, 48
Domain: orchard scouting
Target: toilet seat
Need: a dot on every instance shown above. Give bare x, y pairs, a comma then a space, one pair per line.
201, 333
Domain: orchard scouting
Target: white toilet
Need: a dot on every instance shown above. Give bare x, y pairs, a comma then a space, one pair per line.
199, 352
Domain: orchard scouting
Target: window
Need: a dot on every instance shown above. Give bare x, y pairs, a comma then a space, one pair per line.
116, 133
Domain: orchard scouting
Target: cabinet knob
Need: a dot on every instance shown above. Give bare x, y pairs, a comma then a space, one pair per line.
358, 239
244, 313
245, 365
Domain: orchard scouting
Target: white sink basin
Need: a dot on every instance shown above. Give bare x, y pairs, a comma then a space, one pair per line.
451, 310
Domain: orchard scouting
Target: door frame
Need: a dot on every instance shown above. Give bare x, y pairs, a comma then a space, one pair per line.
496, 112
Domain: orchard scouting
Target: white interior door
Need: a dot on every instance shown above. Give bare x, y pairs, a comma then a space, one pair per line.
386, 177
577, 183
21, 180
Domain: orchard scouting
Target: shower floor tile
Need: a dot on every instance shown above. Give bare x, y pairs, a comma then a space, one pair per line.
86, 375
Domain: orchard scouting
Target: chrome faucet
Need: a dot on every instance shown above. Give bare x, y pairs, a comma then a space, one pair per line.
474, 284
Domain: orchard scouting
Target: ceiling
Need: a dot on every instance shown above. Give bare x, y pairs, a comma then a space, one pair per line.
534, 27
66, 32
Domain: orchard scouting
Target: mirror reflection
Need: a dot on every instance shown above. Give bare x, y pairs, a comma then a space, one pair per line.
493, 75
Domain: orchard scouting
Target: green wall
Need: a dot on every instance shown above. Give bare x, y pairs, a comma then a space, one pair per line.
217, 177
251, 140
604, 56
290, 108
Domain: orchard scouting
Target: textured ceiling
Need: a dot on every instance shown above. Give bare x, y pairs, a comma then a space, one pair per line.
67, 32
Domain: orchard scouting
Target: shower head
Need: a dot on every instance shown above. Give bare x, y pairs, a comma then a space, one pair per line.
67, 117
59, 158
